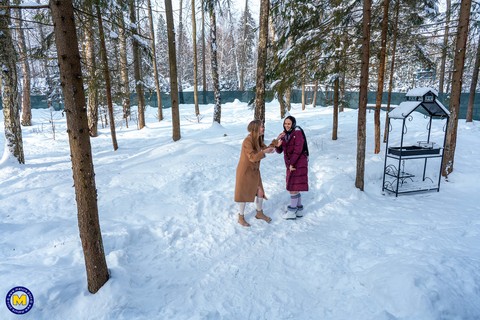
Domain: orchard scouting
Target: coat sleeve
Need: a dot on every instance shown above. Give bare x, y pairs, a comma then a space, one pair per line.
279, 149
253, 156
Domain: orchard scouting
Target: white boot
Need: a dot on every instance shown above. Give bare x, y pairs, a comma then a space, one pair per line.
290, 213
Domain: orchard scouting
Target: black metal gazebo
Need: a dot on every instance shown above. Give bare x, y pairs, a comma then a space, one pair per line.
412, 160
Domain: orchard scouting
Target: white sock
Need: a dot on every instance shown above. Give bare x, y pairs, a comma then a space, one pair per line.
259, 203
242, 205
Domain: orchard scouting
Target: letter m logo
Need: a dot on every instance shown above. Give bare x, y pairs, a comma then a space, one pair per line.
22, 299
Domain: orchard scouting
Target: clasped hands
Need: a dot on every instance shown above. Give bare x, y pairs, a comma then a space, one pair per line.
269, 150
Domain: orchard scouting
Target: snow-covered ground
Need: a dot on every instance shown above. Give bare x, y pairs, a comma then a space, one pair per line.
174, 248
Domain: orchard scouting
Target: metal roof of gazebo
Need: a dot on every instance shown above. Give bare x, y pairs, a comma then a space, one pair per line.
426, 98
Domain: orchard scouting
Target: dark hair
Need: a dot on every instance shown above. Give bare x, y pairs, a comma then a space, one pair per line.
294, 124
305, 144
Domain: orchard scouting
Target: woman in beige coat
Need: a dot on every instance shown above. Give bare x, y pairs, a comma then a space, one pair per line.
248, 185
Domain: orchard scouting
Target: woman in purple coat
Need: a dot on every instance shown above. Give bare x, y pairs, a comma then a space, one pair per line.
292, 142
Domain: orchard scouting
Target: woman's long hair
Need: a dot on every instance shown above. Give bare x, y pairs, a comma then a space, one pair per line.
254, 129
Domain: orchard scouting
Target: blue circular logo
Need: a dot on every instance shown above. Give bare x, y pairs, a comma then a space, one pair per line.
19, 300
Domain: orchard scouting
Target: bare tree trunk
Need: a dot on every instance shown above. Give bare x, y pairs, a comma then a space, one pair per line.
288, 98
303, 85
124, 79
473, 86
234, 42
137, 68
346, 41
172, 58
381, 74
460, 48
392, 68
280, 87
335, 106
9, 88
204, 56
315, 88
449, 77
342, 90
444, 47
362, 103
243, 48
45, 63
80, 148
262, 60
180, 52
195, 68
26, 104
281, 102
106, 73
154, 62
92, 83
217, 112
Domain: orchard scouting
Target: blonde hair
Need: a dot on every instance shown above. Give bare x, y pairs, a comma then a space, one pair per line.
254, 129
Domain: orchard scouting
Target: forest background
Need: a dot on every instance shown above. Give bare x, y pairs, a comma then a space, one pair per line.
311, 45
91, 56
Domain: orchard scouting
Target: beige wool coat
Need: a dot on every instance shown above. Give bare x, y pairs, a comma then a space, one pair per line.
248, 177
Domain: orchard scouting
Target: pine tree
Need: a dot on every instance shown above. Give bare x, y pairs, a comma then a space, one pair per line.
460, 48
362, 103
80, 147
172, 58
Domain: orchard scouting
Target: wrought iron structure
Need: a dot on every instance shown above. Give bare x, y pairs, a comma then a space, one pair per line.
422, 158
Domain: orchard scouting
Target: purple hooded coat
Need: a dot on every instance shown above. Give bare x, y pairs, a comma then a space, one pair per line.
293, 154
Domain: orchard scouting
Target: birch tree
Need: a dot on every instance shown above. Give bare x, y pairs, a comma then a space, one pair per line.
9, 88
124, 76
210, 8
204, 55
180, 46
154, 62
444, 47
195, 68
91, 66
381, 74
26, 83
137, 66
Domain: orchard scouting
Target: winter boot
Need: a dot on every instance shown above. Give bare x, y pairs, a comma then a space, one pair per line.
262, 216
290, 213
242, 221
299, 212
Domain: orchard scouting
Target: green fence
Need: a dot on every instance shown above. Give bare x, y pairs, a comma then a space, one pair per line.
323, 99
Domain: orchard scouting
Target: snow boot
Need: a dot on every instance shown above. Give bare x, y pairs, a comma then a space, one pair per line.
290, 213
299, 212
